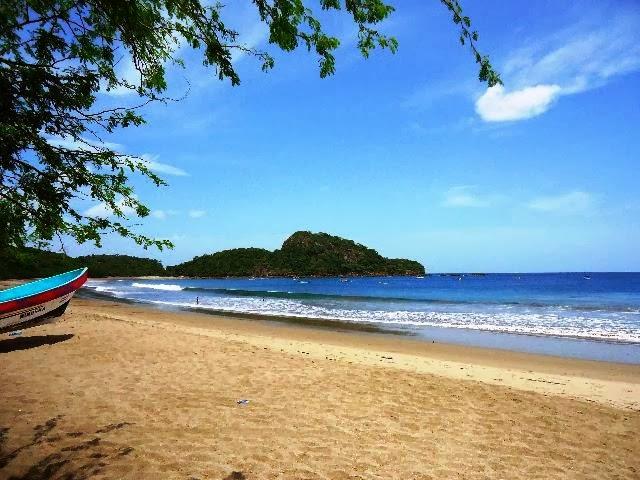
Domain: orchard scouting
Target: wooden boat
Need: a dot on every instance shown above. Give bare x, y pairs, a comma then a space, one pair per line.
38, 302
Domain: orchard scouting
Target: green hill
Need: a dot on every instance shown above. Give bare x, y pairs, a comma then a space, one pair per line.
32, 262
121, 266
302, 254
237, 262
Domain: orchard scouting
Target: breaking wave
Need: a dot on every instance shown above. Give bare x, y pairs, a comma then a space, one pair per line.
587, 310
158, 286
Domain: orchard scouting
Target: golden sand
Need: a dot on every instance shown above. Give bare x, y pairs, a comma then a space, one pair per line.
119, 391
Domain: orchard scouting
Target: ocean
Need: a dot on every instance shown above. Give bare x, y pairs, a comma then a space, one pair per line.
593, 316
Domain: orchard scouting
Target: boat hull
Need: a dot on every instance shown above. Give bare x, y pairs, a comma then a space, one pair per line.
38, 307
34, 315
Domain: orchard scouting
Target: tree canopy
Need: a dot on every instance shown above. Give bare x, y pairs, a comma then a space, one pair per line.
30, 262
302, 254
56, 56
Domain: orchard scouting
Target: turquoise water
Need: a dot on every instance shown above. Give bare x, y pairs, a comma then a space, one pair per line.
593, 315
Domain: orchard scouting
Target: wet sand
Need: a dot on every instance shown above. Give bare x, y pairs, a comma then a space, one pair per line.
115, 390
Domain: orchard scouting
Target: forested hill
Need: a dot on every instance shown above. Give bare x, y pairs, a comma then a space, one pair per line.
32, 262
302, 254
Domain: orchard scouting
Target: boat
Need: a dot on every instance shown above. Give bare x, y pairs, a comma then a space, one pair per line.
38, 302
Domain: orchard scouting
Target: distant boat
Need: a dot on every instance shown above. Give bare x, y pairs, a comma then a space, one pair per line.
419, 276
38, 302
586, 277
344, 280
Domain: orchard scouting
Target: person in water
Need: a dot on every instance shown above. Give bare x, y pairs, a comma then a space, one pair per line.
197, 300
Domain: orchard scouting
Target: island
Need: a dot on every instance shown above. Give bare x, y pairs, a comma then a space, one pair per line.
302, 254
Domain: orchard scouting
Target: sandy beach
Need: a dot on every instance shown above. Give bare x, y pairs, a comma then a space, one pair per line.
115, 390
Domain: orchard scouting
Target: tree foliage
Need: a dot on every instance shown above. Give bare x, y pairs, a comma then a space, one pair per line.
32, 262
302, 254
56, 56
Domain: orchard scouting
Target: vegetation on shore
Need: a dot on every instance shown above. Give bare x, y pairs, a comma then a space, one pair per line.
32, 263
302, 254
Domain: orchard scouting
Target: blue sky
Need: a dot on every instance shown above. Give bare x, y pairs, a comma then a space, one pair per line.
409, 153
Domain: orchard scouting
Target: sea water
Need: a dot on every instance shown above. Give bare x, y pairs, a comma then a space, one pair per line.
582, 315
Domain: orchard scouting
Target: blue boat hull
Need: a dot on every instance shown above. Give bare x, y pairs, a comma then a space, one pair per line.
38, 302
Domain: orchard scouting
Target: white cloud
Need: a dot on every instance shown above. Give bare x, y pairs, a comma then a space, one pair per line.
496, 105
568, 203
82, 144
129, 74
464, 196
163, 214
197, 213
151, 161
103, 211
257, 33
582, 57
571, 61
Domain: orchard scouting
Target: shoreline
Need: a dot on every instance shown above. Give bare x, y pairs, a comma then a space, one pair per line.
320, 323
120, 390
612, 383
572, 347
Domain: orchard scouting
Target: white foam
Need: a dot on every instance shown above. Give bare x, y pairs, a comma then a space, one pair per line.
158, 286
544, 321
528, 324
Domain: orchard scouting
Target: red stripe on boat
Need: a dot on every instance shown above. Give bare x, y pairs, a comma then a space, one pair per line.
43, 297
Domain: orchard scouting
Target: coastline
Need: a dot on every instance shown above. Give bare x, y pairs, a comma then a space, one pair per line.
565, 346
611, 383
128, 391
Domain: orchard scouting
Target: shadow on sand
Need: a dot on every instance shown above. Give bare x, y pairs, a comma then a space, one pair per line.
25, 343
75, 456
235, 476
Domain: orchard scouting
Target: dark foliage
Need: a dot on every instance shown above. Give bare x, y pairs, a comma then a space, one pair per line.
302, 254
32, 263
120, 266
238, 262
